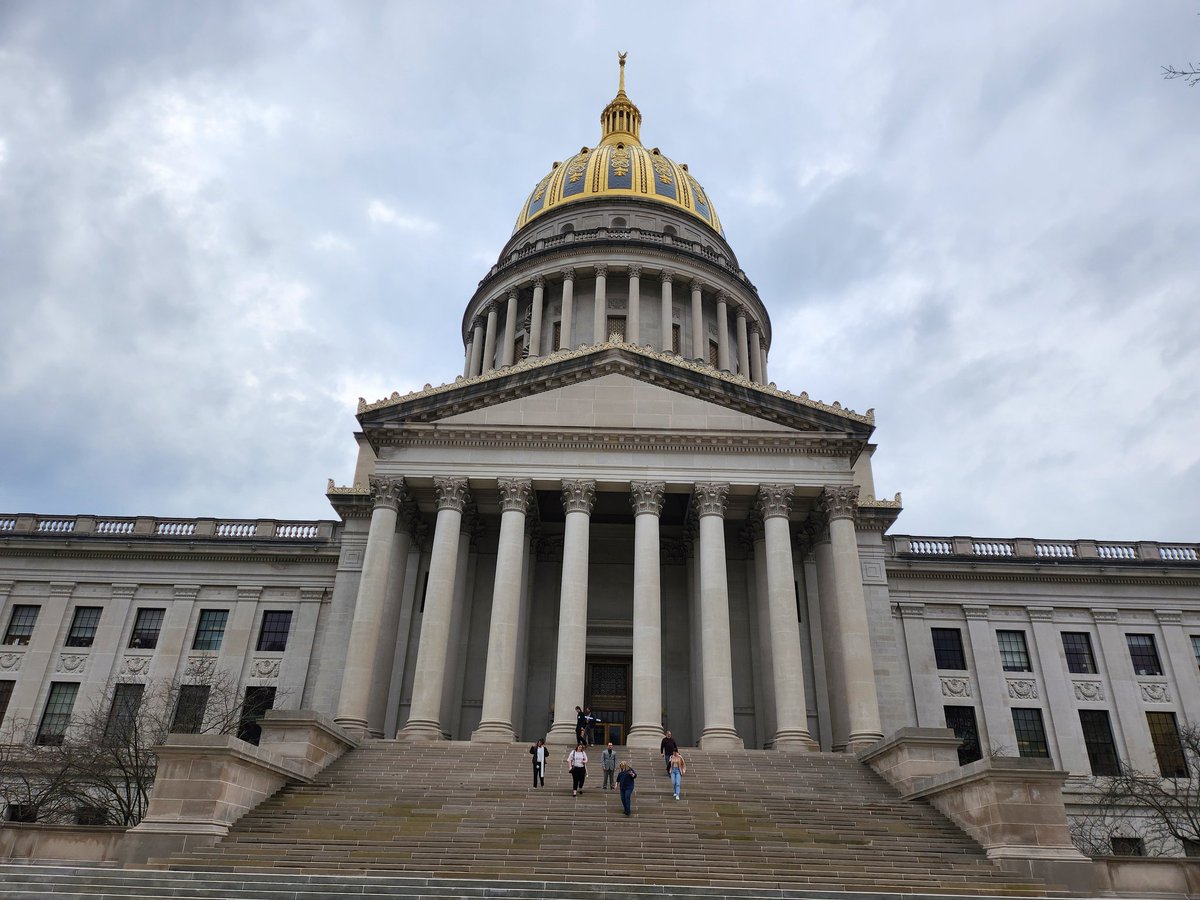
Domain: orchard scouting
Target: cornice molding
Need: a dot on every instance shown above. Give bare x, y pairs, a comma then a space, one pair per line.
1031, 572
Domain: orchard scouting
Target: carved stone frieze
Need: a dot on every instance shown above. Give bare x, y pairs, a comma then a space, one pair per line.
124, 591
200, 666
909, 610
1169, 616
840, 501
1022, 689
974, 611
1155, 692
647, 497
710, 498
578, 496
11, 662
264, 668
72, 663
1107, 616
135, 666
514, 494
1041, 613
955, 687
1089, 691
452, 493
774, 500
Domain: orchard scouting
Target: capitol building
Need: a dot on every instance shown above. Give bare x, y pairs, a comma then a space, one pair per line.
615, 507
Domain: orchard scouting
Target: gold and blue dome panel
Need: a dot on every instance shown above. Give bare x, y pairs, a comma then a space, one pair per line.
619, 169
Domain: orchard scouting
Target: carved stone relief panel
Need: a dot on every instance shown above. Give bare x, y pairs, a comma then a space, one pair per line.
1089, 691
72, 663
1022, 689
955, 687
1155, 692
264, 668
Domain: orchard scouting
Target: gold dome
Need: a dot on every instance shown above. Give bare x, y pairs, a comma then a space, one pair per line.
620, 167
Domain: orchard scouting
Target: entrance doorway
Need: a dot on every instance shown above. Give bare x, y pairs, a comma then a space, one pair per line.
606, 691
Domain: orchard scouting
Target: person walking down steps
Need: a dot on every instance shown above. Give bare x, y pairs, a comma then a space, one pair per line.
678, 770
608, 761
577, 763
540, 753
625, 778
666, 748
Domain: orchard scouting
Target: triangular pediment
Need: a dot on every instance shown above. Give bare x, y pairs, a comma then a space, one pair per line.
615, 386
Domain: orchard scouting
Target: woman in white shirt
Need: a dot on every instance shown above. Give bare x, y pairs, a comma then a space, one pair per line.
577, 763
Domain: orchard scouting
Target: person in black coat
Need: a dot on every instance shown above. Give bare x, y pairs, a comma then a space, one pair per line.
667, 748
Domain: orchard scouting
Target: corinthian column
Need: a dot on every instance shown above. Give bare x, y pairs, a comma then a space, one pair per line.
791, 708
510, 329
756, 374
646, 729
743, 347
568, 302
495, 724
424, 717
578, 497
723, 331
666, 278
719, 732
699, 344
477, 347
535, 317
633, 325
489, 339
840, 504
467, 356
600, 307
355, 698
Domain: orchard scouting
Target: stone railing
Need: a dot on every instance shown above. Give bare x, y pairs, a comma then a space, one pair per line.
904, 545
172, 529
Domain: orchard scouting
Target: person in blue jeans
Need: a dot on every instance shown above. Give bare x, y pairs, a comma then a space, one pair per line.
625, 777
678, 770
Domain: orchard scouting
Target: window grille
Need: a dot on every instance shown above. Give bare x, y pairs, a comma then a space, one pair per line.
57, 714
1143, 654
966, 729
83, 626
616, 329
948, 649
146, 628
1031, 733
1014, 653
20, 624
273, 635
1078, 647
675, 335
210, 630
714, 355
1098, 737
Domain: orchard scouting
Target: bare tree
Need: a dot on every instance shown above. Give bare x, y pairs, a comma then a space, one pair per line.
105, 762
1164, 812
1189, 73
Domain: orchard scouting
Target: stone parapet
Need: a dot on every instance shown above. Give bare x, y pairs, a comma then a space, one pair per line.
911, 755
146, 527
1027, 550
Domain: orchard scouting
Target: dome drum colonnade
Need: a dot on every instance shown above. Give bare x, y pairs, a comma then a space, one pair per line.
829, 532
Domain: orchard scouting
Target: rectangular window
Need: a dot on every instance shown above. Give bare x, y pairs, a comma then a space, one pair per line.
1098, 736
57, 715
274, 632
258, 701
616, 329
948, 649
146, 628
90, 815
1167, 746
714, 355
1078, 647
675, 333
1031, 733
1014, 654
211, 629
23, 813
20, 624
556, 343
189, 709
966, 729
83, 626
1191, 848
1143, 654
1196, 648
6, 689
1128, 846
122, 715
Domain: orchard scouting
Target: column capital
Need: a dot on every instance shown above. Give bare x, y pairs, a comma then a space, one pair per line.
514, 292
813, 532
386, 492
452, 493
666, 277
478, 322
601, 269
840, 501
635, 271
647, 497
753, 327
514, 494
775, 500
568, 274
723, 297
578, 496
740, 311
493, 307
539, 282
711, 498
696, 285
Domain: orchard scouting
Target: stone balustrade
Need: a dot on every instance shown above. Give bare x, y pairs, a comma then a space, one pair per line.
1036, 550
97, 527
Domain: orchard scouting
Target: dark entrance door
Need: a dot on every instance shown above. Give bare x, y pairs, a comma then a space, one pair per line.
607, 693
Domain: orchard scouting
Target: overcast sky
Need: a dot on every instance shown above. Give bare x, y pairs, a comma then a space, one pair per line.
221, 224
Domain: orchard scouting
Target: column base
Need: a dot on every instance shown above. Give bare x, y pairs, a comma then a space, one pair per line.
354, 728
863, 741
418, 731
645, 736
720, 738
562, 734
493, 733
792, 740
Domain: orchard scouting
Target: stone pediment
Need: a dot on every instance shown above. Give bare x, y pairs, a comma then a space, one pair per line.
616, 386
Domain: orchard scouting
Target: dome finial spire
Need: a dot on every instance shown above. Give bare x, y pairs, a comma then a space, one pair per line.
621, 120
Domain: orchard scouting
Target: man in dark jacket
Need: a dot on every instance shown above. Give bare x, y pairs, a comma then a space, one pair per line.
666, 748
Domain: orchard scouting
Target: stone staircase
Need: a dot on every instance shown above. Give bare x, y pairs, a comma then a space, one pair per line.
750, 824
